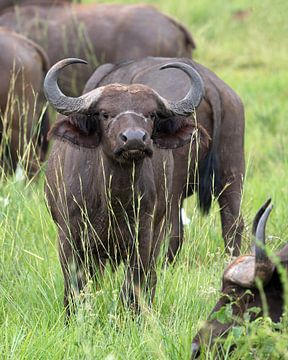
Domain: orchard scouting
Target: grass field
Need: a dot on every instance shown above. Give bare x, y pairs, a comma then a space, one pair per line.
251, 55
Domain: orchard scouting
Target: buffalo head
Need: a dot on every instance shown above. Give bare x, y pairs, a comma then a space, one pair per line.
239, 286
127, 119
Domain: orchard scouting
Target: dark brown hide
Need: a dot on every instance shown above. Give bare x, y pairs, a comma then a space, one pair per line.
242, 299
109, 185
221, 114
98, 33
23, 134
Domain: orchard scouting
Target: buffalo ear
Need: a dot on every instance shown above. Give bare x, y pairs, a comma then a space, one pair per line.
78, 129
176, 131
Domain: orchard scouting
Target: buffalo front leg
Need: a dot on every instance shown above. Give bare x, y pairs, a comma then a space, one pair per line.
137, 272
158, 238
135, 280
231, 218
74, 272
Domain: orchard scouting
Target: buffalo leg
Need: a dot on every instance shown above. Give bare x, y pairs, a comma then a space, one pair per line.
74, 272
177, 231
232, 172
134, 279
231, 218
158, 238
138, 267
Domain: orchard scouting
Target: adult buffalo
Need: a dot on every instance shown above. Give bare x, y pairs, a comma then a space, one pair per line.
221, 169
97, 32
23, 124
109, 180
239, 287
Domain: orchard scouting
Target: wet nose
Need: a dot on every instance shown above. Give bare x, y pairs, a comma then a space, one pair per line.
133, 135
195, 350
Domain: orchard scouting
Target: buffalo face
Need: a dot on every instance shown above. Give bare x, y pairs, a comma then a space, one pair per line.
126, 118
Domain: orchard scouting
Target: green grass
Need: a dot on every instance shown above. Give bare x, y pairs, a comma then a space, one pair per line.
251, 56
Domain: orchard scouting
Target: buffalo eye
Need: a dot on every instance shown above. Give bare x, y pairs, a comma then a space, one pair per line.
103, 115
153, 116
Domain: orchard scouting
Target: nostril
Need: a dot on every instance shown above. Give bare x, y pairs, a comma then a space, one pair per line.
133, 135
123, 137
195, 351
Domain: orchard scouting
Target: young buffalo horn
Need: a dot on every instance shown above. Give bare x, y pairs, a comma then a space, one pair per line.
245, 269
263, 265
68, 105
258, 216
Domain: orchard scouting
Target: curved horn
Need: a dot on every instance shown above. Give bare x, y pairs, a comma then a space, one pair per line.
257, 217
63, 104
245, 269
263, 265
191, 101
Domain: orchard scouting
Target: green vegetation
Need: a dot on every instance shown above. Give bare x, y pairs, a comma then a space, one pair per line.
245, 43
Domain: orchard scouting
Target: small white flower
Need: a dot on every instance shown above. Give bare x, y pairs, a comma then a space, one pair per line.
185, 219
19, 174
111, 357
4, 201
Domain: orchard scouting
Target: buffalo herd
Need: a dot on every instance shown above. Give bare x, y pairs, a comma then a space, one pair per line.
99, 33
138, 135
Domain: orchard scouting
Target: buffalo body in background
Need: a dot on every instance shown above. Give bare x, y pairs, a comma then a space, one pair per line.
97, 32
23, 127
221, 168
239, 286
110, 176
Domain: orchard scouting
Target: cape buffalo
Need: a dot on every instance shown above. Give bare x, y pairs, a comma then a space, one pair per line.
221, 170
108, 178
23, 65
239, 286
98, 32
